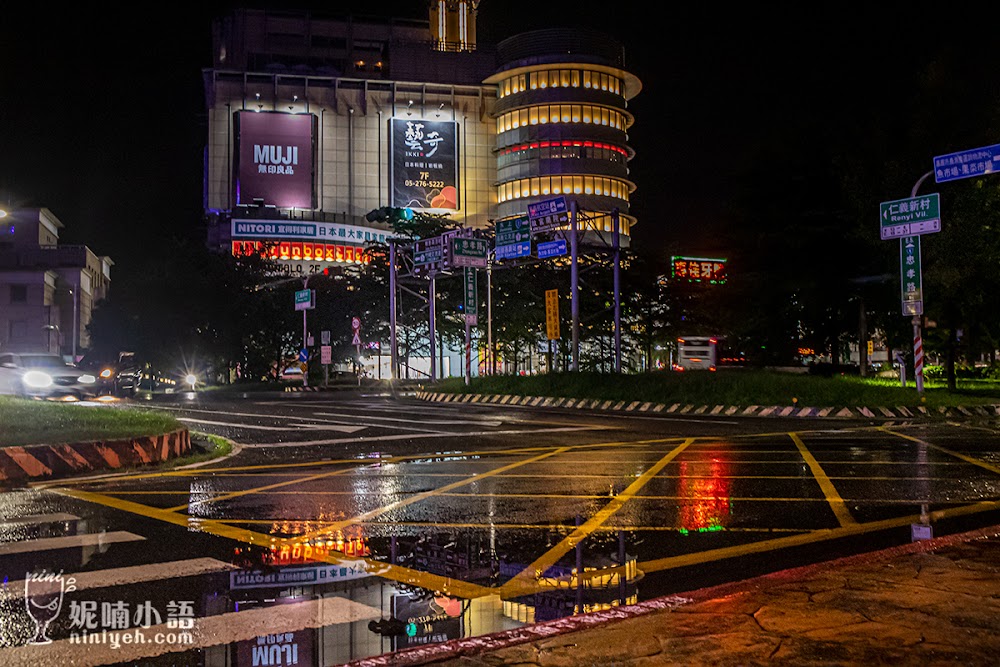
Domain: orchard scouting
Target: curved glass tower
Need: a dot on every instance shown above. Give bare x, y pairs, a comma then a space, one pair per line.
562, 124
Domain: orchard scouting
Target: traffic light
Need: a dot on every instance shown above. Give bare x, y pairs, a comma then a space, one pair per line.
871, 347
388, 627
390, 214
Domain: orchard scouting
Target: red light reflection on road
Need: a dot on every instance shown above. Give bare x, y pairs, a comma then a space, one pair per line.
703, 490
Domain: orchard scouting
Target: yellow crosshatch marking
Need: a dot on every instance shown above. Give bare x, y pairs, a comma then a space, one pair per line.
836, 502
963, 457
528, 576
525, 582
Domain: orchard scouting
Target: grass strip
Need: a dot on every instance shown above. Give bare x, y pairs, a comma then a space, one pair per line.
739, 387
35, 422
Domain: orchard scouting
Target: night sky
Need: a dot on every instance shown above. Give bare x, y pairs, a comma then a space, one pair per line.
102, 117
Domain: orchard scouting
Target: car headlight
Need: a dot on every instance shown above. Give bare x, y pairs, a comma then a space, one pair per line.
106, 373
86, 379
37, 380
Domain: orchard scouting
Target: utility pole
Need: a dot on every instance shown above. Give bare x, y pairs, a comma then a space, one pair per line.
918, 344
305, 337
431, 298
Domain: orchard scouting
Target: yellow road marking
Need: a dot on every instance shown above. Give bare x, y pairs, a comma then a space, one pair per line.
702, 557
528, 576
957, 455
426, 580
836, 502
340, 525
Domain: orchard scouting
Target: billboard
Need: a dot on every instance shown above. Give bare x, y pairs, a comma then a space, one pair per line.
274, 158
699, 269
424, 163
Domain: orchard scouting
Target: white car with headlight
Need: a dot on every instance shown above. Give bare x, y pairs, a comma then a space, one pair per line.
44, 376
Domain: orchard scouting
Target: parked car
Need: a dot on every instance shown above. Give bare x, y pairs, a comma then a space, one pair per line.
44, 376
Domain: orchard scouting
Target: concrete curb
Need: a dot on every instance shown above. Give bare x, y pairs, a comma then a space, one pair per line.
52, 461
485, 644
899, 412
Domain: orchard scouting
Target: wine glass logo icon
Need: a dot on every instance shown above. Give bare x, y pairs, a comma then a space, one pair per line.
43, 598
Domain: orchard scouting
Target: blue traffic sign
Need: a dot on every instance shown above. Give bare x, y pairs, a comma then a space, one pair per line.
967, 164
303, 355
513, 250
555, 248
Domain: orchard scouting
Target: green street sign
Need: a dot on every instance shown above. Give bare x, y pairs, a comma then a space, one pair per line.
910, 276
910, 217
471, 294
469, 252
304, 299
513, 230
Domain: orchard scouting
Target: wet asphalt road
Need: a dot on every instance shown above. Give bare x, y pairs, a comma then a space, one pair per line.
343, 510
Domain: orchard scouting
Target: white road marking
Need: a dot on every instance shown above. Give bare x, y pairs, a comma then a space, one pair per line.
123, 576
208, 631
456, 434
446, 422
67, 542
35, 519
324, 427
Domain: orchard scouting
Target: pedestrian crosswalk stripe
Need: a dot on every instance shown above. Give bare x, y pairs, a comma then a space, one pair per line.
67, 542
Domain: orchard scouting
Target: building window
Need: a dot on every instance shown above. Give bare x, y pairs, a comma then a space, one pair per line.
18, 293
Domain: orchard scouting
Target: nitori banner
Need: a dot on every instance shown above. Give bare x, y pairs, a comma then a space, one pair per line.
424, 163
274, 159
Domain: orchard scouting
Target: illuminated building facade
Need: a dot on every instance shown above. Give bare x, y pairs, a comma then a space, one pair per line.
562, 123
314, 122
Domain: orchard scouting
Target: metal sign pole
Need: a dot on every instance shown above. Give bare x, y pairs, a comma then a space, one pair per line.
305, 337
468, 351
393, 360
574, 278
616, 243
431, 298
918, 355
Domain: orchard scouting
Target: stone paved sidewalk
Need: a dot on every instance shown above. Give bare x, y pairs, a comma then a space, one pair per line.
927, 603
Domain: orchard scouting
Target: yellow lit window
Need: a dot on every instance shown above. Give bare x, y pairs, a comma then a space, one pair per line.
604, 82
533, 80
554, 114
605, 117
546, 184
554, 78
575, 78
506, 87
533, 115
587, 80
521, 83
565, 110
577, 185
577, 113
564, 78
587, 114
523, 113
543, 80
588, 185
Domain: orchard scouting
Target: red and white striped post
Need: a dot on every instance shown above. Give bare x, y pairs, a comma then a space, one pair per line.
918, 355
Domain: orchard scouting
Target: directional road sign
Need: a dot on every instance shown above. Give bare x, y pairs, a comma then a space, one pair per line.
555, 248
305, 299
471, 296
967, 164
910, 276
303, 355
548, 214
469, 252
513, 238
910, 217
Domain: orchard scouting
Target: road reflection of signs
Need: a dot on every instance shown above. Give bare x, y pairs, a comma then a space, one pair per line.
704, 492
279, 650
429, 618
